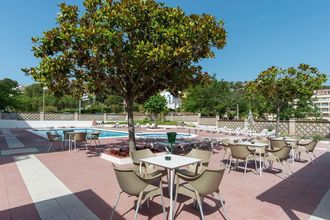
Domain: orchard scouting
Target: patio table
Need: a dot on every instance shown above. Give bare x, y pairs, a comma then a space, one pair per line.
175, 162
75, 132
256, 144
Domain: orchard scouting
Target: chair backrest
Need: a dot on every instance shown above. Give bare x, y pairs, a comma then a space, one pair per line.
81, 136
95, 135
209, 181
310, 146
137, 155
239, 151
50, 137
204, 155
277, 143
283, 153
225, 142
129, 182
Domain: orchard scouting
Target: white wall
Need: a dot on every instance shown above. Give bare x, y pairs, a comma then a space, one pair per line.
42, 124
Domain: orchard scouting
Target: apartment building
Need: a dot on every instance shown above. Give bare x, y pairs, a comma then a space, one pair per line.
322, 101
172, 102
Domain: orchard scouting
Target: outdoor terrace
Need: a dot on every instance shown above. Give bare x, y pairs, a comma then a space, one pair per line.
78, 185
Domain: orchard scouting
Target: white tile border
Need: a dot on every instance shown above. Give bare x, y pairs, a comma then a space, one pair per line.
52, 198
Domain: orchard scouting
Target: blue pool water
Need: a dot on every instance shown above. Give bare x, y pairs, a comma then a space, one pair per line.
110, 134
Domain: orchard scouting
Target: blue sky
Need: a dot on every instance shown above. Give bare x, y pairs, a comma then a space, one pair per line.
261, 33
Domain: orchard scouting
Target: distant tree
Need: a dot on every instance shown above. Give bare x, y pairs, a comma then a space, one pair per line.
155, 105
131, 48
217, 97
8, 94
284, 88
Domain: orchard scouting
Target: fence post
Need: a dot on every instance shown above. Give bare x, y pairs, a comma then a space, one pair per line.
76, 116
171, 114
0, 115
42, 116
184, 117
292, 127
198, 119
104, 117
217, 118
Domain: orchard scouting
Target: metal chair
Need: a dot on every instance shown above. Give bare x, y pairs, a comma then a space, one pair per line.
95, 137
52, 139
80, 138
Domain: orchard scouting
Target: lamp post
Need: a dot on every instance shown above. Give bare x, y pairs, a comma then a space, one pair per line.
43, 98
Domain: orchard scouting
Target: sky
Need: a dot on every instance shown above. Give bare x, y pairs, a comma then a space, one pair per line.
260, 34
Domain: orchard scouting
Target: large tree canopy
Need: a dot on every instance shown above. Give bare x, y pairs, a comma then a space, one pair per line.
130, 48
287, 88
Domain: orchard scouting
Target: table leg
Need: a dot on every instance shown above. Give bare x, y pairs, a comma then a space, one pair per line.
171, 193
260, 165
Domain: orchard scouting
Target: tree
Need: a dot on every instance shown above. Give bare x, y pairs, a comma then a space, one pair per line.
8, 94
132, 48
155, 105
284, 88
217, 97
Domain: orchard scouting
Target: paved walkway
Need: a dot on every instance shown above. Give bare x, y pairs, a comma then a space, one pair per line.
76, 185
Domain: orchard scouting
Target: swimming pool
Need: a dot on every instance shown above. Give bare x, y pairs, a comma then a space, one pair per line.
108, 133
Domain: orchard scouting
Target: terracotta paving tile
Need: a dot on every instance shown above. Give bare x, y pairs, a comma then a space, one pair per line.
94, 183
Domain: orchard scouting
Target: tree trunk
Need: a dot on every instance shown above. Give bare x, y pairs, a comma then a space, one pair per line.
277, 122
130, 124
156, 125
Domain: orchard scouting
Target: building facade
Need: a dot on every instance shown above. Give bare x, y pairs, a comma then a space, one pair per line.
322, 101
172, 101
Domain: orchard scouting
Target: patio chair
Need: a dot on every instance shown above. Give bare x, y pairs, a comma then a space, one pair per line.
52, 139
242, 131
142, 168
241, 152
80, 138
68, 137
134, 185
222, 129
279, 155
277, 143
306, 146
195, 169
262, 133
225, 144
198, 187
271, 133
95, 137
232, 132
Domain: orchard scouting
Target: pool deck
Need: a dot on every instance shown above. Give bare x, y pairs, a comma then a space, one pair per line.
81, 185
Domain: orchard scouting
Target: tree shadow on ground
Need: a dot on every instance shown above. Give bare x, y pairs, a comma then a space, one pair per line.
302, 191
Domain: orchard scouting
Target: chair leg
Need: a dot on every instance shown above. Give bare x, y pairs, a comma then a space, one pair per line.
138, 205
222, 205
314, 158
50, 146
162, 200
200, 206
246, 161
229, 166
114, 208
289, 167
280, 163
310, 158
